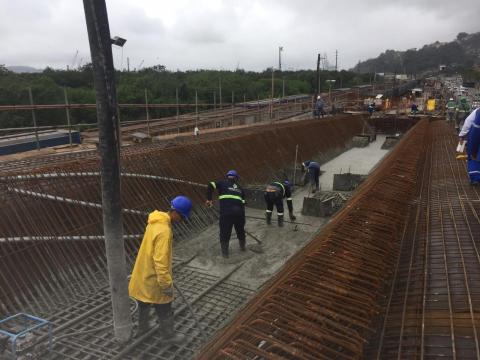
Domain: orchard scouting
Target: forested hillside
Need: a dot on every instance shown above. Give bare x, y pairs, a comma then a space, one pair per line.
458, 55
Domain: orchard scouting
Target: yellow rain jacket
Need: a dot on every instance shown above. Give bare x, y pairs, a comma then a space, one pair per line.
152, 272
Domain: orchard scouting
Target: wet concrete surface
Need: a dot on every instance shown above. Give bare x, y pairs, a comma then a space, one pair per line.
356, 161
278, 243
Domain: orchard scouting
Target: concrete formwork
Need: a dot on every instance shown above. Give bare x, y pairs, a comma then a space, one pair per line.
325, 301
69, 275
49, 208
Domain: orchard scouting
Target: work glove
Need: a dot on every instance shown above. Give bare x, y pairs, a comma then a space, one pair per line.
209, 203
292, 217
168, 291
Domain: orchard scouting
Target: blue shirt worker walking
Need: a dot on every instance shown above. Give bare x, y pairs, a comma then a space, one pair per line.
232, 209
313, 169
274, 195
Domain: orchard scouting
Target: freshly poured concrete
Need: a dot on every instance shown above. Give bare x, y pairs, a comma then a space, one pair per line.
279, 244
356, 161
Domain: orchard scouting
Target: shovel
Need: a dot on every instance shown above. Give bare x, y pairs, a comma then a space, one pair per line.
256, 248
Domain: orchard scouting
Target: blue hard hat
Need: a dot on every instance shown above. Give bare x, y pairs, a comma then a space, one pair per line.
232, 173
182, 205
286, 182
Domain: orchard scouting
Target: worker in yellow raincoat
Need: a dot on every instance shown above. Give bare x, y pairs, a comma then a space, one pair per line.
151, 283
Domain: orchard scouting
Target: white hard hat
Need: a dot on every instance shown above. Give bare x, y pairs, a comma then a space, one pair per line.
451, 98
318, 97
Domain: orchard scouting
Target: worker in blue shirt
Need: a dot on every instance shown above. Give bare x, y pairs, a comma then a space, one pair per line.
313, 169
274, 194
371, 108
414, 109
232, 209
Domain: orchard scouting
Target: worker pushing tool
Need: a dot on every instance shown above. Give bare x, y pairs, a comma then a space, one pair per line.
232, 209
274, 194
151, 283
313, 169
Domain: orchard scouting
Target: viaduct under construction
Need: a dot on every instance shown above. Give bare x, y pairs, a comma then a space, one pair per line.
392, 273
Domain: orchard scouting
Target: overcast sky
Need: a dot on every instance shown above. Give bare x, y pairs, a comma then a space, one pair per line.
226, 34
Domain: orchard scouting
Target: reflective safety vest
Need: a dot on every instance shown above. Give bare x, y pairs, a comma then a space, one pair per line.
285, 191
230, 194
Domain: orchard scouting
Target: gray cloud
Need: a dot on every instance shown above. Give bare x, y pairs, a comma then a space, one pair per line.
188, 34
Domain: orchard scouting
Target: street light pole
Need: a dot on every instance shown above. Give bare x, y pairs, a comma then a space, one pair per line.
107, 112
280, 49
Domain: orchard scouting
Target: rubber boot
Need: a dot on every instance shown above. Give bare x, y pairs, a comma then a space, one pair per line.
280, 220
292, 217
268, 216
143, 320
168, 333
242, 245
224, 250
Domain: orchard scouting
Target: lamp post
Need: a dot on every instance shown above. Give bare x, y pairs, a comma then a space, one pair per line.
109, 149
280, 49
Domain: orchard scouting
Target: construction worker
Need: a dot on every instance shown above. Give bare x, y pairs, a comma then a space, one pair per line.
413, 109
451, 107
313, 171
274, 194
471, 132
232, 209
151, 283
463, 110
371, 108
319, 104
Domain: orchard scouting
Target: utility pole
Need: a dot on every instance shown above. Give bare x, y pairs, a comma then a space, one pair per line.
67, 109
148, 113
178, 111
336, 60
233, 101
196, 108
317, 92
273, 92
128, 64
34, 118
280, 49
220, 92
107, 112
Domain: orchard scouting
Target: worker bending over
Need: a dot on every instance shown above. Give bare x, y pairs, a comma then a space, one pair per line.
274, 194
151, 283
232, 209
313, 169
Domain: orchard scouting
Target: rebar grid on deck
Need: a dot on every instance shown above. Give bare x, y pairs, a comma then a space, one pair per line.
223, 297
433, 307
323, 305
